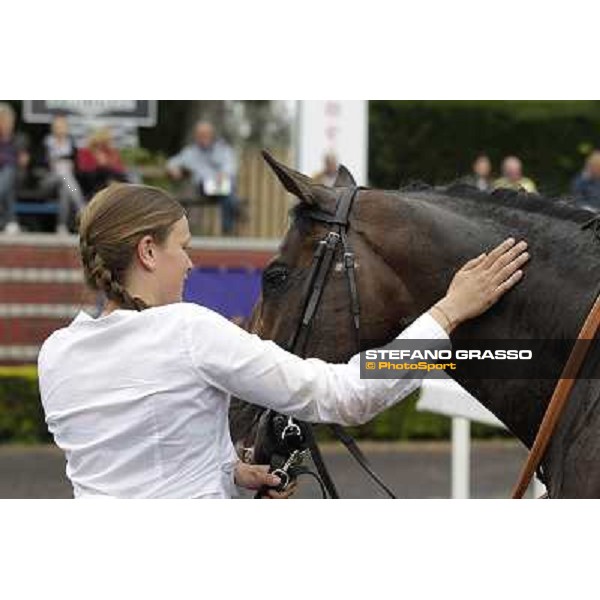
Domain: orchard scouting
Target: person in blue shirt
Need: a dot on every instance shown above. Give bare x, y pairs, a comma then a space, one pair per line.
586, 186
212, 166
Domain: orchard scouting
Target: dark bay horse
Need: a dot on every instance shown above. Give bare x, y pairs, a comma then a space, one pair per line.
408, 245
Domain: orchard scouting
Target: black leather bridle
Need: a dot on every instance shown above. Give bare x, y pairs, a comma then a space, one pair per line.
320, 267
323, 258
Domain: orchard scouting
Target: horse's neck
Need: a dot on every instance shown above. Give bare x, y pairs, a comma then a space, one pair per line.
542, 306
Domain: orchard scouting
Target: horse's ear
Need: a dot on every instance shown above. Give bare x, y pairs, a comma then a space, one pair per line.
298, 184
344, 178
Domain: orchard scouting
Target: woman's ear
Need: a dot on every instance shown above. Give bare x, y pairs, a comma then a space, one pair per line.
146, 252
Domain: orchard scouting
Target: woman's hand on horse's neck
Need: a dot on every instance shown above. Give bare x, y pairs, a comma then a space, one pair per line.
480, 283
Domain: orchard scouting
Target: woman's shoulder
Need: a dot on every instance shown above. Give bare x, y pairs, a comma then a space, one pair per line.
52, 343
196, 319
185, 311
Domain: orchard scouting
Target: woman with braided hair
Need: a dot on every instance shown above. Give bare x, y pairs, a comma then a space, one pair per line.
138, 397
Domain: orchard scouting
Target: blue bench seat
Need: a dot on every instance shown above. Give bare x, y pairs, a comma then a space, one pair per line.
37, 208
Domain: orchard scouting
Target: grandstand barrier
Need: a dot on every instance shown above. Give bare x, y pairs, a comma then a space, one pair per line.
42, 287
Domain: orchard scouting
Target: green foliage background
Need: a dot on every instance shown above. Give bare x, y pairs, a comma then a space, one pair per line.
21, 413
22, 417
436, 141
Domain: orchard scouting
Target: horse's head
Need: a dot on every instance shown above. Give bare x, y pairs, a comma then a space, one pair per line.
383, 297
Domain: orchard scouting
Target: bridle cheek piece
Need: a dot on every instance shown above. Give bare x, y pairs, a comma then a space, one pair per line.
323, 258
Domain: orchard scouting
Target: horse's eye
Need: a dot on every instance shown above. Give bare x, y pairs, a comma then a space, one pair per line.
275, 277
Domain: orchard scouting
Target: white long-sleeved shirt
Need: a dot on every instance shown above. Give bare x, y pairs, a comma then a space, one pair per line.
139, 401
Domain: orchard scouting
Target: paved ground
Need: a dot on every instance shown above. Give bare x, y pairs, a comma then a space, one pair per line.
413, 470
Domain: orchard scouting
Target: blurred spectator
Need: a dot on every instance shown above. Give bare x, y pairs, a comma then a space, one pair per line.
13, 157
100, 163
481, 175
59, 157
329, 173
211, 164
586, 186
512, 176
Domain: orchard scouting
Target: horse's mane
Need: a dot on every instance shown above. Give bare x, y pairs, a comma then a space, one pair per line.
561, 208
551, 225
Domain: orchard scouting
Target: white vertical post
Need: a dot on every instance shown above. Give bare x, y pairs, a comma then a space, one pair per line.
461, 441
537, 488
338, 126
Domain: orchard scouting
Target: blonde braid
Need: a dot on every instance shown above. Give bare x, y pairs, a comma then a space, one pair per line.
100, 278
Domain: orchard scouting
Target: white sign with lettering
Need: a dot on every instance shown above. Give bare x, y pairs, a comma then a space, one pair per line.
332, 126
